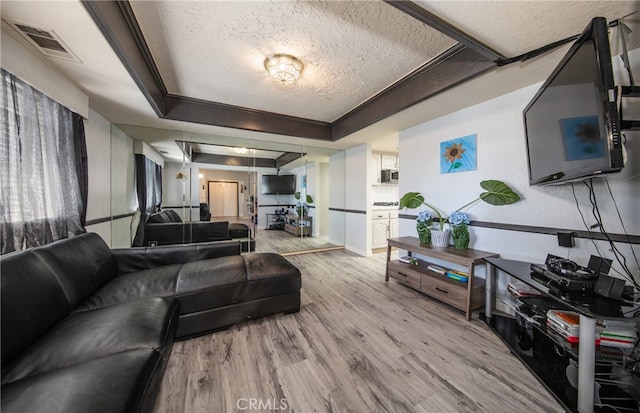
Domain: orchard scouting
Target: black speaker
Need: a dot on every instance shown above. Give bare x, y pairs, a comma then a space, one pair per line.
599, 264
609, 286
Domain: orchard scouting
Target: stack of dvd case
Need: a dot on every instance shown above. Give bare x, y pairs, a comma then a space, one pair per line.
565, 323
614, 333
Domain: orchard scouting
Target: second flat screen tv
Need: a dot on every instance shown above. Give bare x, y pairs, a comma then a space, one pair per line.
278, 184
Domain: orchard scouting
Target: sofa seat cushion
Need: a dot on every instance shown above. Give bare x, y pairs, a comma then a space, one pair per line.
88, 335
120, 383
155, 282
233, 280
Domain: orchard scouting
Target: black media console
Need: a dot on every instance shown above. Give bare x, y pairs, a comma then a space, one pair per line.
583, 377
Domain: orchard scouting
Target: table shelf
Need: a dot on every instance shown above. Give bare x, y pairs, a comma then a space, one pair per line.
466, 296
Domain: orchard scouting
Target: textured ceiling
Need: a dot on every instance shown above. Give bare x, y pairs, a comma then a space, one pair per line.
351, 51
516, 27
509, 27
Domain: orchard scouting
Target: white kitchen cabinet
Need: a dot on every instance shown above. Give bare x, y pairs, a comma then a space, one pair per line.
393, 228
384, 225
389, 161
380, 233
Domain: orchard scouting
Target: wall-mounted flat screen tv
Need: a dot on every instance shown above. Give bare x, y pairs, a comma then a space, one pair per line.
278, 184
572, 123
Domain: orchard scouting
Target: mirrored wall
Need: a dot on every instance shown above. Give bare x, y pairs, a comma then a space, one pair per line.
272, 197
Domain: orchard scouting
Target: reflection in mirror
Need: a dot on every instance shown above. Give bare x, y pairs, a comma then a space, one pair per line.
225, 182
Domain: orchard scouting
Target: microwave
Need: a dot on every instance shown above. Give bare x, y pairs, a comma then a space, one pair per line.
389, 176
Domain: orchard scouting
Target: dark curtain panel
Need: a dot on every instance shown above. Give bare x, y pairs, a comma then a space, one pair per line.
43, 164
157, 186
149, 190
81, 165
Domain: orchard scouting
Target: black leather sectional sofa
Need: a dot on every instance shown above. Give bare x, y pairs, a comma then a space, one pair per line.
167, 228
89, 329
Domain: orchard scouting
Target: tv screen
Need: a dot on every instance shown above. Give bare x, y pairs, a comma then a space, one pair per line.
572, 123
278, 184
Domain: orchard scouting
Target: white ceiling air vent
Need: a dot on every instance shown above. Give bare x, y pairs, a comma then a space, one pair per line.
45, 40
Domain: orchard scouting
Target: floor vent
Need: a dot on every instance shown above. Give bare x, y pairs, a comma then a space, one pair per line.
45, 40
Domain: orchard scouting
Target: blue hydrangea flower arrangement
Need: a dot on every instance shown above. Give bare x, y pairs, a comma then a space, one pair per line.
425, 217
423, 222
457, 218
495, 193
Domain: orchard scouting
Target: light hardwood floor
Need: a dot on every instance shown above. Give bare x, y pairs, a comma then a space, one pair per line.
281, 242
357, 345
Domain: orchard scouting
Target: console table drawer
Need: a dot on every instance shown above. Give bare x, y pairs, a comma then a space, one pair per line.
404, 274
445, 291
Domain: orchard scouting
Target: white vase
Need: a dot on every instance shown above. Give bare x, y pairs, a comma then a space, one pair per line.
440, 238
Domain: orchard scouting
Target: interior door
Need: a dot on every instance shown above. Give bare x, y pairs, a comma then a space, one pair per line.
223, 199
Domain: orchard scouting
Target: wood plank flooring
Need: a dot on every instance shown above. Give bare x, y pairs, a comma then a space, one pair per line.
357, 345
281, 242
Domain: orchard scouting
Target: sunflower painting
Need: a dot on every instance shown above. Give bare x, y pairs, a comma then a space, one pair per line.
458, 155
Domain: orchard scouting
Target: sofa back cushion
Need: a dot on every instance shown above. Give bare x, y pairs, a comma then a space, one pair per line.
164, 217
32, 301
173, 216
158, 218
82, 264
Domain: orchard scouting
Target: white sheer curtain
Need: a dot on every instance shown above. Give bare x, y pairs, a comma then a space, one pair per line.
42, 168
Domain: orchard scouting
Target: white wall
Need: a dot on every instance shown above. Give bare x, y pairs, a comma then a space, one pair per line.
357, 235
322, 203
499, 127
337, 192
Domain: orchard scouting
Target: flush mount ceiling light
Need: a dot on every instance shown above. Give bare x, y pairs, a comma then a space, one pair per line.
284, 68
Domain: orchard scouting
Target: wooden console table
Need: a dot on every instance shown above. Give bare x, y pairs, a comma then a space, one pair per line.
465, 296
296, 225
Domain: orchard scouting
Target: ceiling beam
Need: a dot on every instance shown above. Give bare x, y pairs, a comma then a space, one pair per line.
212, 113
412, 9
125, 41
454, 66
287, 157
228, 160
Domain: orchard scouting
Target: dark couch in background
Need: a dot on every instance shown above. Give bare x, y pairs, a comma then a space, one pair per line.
205, 214
89, 329
167, 228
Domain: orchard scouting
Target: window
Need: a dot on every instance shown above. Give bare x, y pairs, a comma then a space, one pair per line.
43, 168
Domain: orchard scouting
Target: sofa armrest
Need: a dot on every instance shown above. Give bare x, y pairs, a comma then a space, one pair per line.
143, 258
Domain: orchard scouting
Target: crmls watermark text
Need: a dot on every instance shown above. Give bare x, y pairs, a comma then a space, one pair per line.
252, 403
